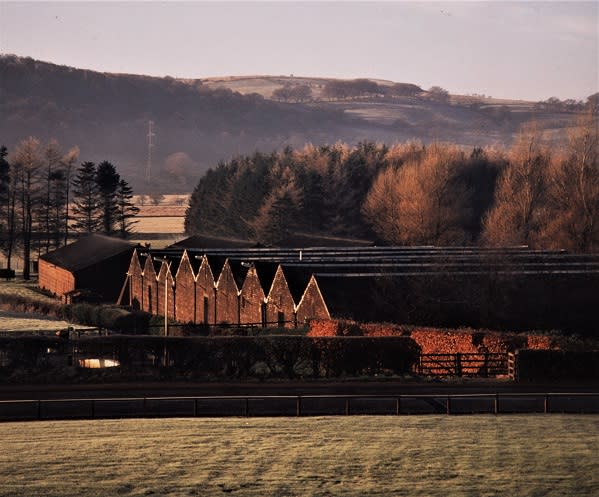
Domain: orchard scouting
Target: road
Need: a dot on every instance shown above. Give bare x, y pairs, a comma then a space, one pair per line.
251, 388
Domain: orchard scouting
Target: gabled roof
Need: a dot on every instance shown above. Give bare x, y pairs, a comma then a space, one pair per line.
87, 252
297, 281
239, 270
266, 274
216, 263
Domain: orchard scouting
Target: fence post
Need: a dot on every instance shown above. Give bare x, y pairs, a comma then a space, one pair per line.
398, 406
39, 409
195, 408
93, 409
458, 364
347, 406
546, 404
247, 407
512, 365
448, 404
496, 404
298, 405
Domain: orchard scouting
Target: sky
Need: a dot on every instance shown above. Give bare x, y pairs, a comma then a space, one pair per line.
509, 49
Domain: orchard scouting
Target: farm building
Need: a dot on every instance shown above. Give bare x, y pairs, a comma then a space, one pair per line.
513, 288
94, 264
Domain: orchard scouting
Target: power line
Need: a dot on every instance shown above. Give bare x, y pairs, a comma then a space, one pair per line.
151, 134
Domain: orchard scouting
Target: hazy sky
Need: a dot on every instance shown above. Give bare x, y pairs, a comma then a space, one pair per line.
531, 50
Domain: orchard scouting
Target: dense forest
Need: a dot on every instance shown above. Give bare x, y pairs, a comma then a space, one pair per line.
534, 193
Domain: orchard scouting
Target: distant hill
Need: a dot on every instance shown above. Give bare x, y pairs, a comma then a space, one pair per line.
200, 122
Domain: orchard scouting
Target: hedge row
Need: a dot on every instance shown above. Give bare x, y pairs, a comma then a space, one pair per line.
251, 357
29, 352
540, 365
99, 316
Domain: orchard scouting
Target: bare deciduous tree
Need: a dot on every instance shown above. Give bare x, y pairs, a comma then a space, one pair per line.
574, 191
421, 202
27, 164
519, 214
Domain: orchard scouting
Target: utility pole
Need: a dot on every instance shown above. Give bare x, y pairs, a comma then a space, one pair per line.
151, 135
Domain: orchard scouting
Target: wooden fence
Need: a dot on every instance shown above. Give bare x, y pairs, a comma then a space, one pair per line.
484, 364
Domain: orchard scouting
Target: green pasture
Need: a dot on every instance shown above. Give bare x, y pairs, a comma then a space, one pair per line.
516, 456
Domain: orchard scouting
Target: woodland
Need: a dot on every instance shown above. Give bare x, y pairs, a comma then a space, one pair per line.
535, 193
198, 122
46, 199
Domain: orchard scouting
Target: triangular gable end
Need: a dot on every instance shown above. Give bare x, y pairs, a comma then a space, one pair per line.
149, 270
312, 302
185, 265
134, 265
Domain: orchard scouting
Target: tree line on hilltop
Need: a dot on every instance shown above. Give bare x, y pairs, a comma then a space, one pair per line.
535, 194
45, 199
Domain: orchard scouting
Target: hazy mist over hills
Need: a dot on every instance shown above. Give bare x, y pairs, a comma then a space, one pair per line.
198, 123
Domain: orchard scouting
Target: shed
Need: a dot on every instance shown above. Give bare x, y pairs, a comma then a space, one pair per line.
95, 263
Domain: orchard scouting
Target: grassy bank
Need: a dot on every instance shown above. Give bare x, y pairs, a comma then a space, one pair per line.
370, 456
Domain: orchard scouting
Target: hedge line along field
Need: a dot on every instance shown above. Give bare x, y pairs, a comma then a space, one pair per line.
525, 456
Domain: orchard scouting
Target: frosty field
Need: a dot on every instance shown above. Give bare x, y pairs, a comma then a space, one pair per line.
525, 456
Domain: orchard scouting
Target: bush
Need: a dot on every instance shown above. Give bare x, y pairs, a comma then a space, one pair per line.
285, 356
541, 365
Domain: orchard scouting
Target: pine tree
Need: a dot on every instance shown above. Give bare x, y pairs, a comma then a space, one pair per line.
86, 200
126, 209
107, 180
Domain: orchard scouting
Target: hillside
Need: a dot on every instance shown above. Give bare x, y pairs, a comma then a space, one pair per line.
198, 123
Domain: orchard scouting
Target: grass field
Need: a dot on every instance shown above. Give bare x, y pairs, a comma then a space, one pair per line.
524, 456
162, 224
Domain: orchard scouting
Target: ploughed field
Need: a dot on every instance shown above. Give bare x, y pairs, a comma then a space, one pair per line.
357, 456
165, 217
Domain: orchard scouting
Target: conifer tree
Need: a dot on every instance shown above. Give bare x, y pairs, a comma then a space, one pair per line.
107, 180
86, 200
126, 209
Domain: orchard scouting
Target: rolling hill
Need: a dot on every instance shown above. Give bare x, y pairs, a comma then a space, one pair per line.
198, 123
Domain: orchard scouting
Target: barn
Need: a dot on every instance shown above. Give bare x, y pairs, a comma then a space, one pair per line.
93, 265
509, 288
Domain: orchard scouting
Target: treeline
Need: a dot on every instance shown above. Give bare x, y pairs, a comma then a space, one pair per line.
45, 199
533, 194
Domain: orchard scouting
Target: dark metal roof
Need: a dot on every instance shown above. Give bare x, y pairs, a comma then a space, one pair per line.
303, 240
87, 252
211, 242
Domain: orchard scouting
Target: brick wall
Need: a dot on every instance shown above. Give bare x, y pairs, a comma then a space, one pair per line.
251, 299
136, 283
280, 306
150, 300
205, 299
165, 277
55, 279
227, 302
312, 305
185, 292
